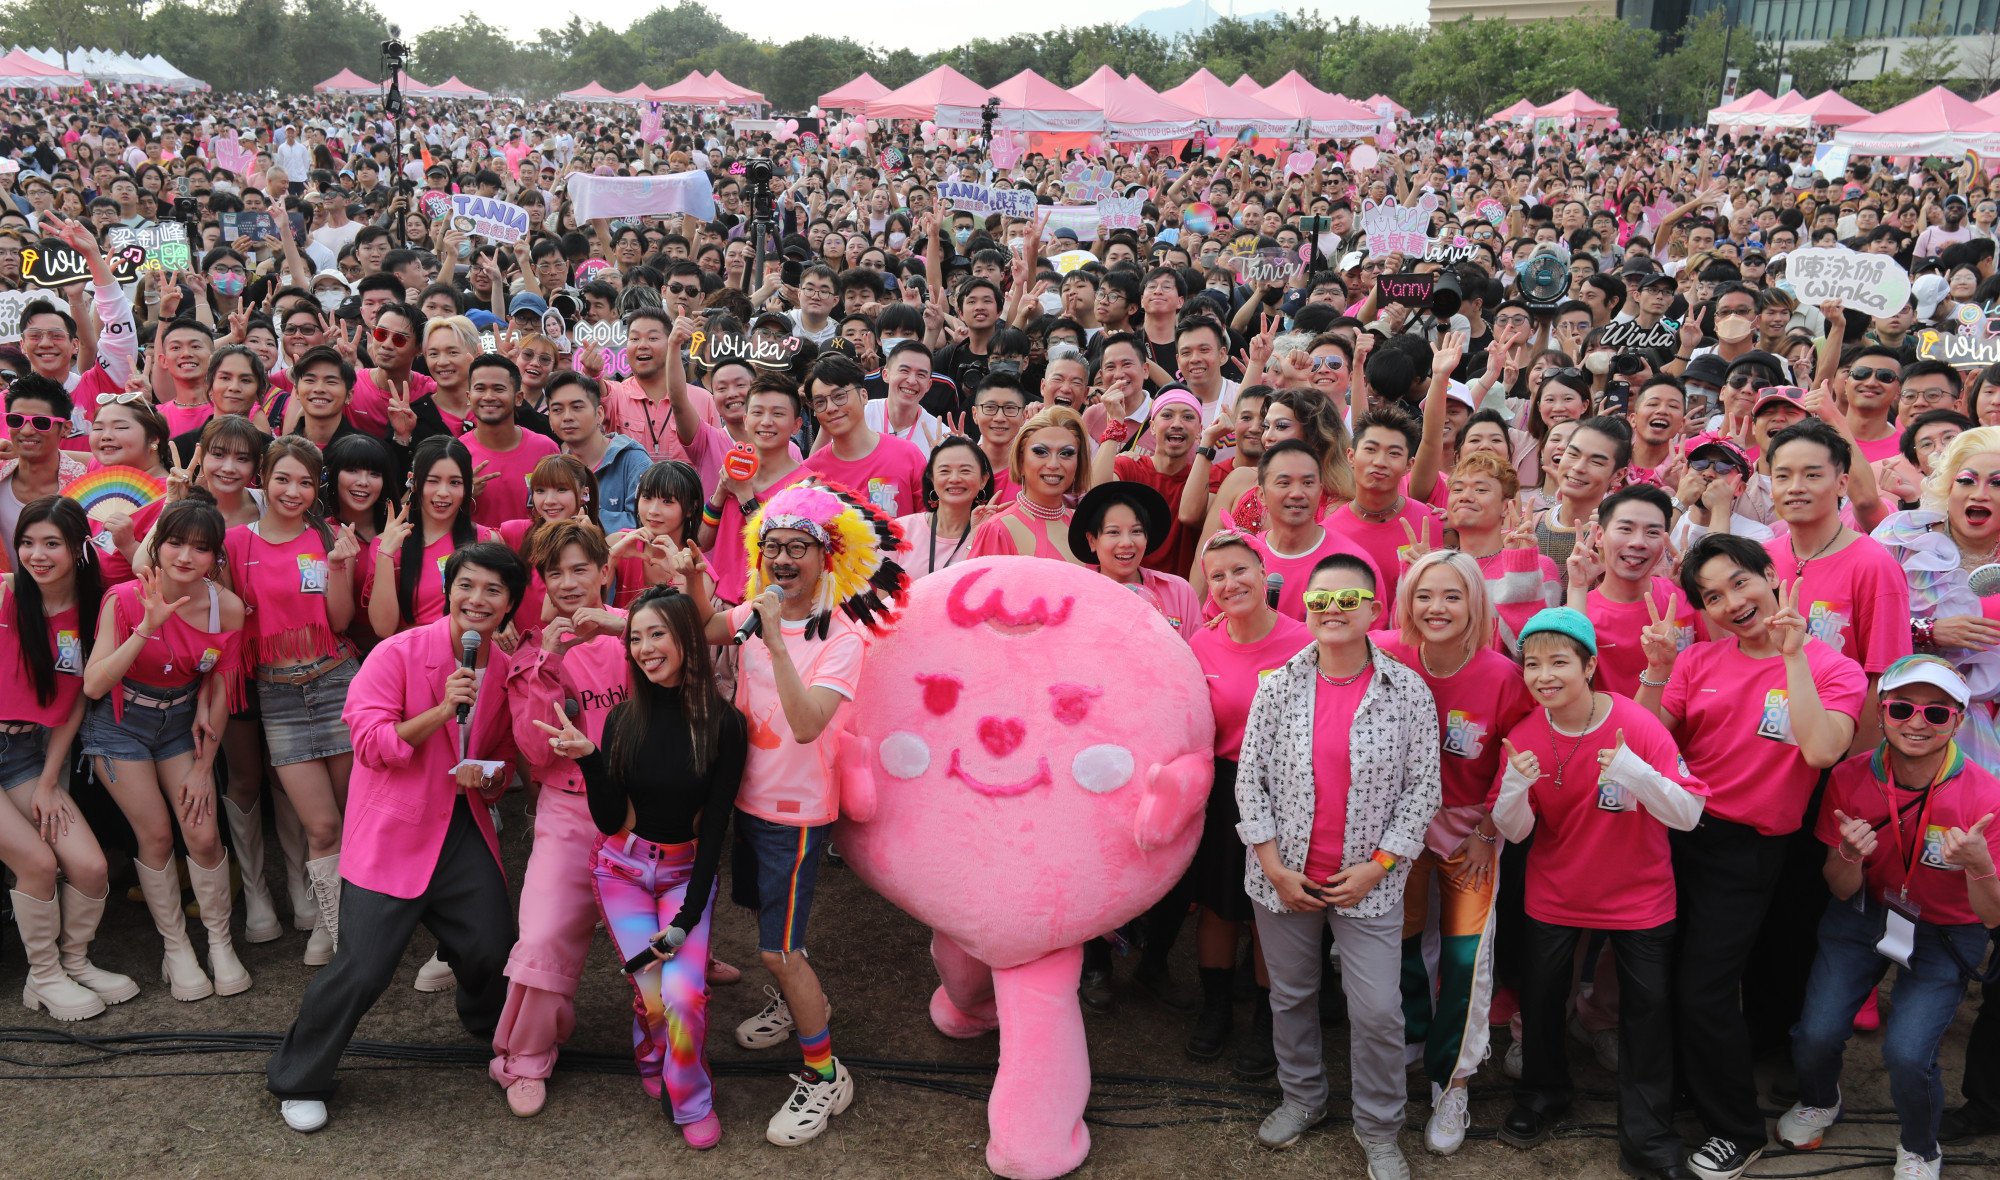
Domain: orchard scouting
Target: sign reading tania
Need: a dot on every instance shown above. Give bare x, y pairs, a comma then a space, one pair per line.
1868, 283
488, 218
974, 197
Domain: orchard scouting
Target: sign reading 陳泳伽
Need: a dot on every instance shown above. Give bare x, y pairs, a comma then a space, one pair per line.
1869, 283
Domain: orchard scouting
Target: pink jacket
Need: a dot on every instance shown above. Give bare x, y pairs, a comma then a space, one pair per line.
592, 673
399, 799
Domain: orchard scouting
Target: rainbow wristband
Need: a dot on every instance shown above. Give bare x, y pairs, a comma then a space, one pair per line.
1387, 861
711, 515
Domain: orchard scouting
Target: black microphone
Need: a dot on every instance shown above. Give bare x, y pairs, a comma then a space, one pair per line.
1274, 586
669, 941
754, 625
571, 708
468, 651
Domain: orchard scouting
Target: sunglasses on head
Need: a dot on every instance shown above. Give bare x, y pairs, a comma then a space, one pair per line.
1933, 714
391, 337
1319, 602
1862, 374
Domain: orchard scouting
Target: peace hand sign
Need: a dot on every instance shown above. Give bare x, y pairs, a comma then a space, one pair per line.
395, 529
402, 419
1419, 541
181, 479
1586, 566
481, 477
1518, 527
565, 739
1786, 625
1660, 641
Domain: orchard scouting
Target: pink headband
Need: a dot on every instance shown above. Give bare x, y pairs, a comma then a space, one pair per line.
1178, 397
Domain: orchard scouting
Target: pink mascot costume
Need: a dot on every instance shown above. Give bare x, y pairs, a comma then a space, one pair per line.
1032, 751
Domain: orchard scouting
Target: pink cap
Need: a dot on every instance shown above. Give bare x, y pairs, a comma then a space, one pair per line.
1721, 442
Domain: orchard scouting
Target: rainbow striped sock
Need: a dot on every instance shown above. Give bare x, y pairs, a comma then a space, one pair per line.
818, 1049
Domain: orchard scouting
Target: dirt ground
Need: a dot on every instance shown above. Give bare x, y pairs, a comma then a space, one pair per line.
90, 1108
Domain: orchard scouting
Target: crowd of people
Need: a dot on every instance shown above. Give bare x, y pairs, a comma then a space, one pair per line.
1652, 526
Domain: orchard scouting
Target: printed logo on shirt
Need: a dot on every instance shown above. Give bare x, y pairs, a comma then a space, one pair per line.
1684, 637
312, 574
104, 542
209, 657
1462, 734
442, 559
1933, 857
1826, 624
882, 494
1265, 673
1610, 796
69, 653
1776, 720
597, 702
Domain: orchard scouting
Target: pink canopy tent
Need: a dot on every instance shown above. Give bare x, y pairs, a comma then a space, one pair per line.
1132, 112
1245, 84
20, 71
1329, 117
1031, 103
1990, 104
346, 82
1727, 114
636, 94
1520, 112
457, 88
738, 95
1395, 108
1576, 105
415, 89
921, 98
695, 90
856, 94
1984, 138
1831, 110
1229, 111
1936, 122
589, 92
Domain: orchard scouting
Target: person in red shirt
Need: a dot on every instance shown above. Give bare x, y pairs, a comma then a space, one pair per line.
1911, 843
1174, 426
1758, 713
503, 454
1597, 780
1288, 478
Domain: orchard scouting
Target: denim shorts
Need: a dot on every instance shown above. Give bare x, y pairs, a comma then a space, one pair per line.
146, 734
22, 756
302, 721
775, 870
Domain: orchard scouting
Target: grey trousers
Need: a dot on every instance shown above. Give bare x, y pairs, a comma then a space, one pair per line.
1371, 966
465, 906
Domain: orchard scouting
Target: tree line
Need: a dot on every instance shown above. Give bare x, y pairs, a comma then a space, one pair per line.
1465, 69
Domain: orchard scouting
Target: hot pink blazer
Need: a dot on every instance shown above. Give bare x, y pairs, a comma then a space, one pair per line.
399, 799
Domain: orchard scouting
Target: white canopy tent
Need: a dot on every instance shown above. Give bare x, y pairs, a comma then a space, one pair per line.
119, 69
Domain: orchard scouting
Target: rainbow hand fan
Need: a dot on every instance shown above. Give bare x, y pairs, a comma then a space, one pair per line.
114, 489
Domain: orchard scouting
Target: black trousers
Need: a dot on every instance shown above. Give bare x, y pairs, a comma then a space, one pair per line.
1646, 1135
1981, 1086
1725, 875
466, 907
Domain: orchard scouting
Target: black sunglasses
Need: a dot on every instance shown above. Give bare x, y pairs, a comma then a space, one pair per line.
1860, 374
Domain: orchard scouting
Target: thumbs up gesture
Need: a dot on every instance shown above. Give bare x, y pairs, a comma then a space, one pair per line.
1857, 837
1607, 756
1523, 762
1966, 848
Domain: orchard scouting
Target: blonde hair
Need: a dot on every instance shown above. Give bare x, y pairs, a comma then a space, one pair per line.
1493, 467
1481, 623
467, 334
1980, 440
1060, 417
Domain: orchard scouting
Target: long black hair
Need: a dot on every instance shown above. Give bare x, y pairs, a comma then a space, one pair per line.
432, 451
359, 452
705, 708
671, 479
38, 649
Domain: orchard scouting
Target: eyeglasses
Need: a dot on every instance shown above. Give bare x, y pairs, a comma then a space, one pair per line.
999, 409
393, 338
792, 549
1718, 466
35, 421
1861, 374
1933, 714
838, 397
1328, 364
1929, 397
1320, 602
132, 398
1510, 321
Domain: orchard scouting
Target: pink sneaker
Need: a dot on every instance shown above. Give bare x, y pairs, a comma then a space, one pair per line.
526, 1096
1870, 1017
721, 972
704, 1133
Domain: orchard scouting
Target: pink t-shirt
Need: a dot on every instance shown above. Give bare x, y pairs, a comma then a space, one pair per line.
1857, 600
1620, 658
283, 588
514, 535
178, 655
1380, 541
891, 476
1476, 704
368, 409
1234, 671
1592, 867
1172, 597
785, 782
1877, 449
71, 647
1736, 728
1521, 583
506, 497
181, 419
428, 602
1937, 889
628, 411
1297, 568
1334, 707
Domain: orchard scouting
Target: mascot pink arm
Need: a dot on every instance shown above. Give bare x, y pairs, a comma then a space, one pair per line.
1035, 726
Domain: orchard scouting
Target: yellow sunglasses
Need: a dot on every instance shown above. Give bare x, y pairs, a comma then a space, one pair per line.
1321, 601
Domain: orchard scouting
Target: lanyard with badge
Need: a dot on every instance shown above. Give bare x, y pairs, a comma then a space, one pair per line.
1899, 934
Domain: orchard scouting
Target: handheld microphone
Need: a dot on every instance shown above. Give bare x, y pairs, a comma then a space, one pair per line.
571, 708
754, 625
1985, 580
667, 943
468, 651
1274, 585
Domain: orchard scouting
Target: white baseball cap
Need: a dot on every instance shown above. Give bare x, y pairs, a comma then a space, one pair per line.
1929, 670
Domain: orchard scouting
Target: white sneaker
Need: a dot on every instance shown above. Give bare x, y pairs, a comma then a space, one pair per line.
1445, 1132
436, 976
770, 1027
1802, 1128
814, 1101
1916, 1167
319, 948
1511, 1063
1385, 1160
304, 1115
